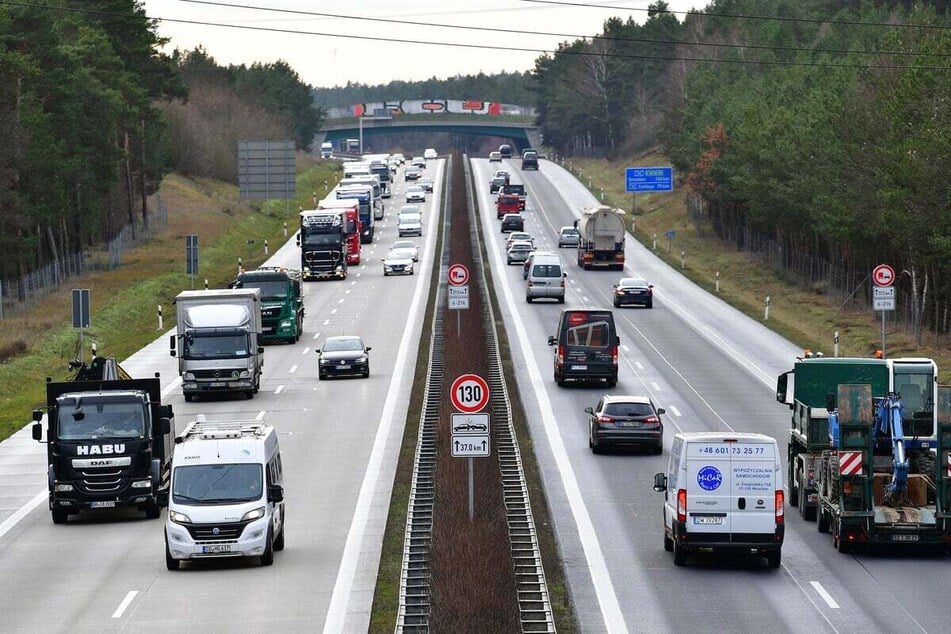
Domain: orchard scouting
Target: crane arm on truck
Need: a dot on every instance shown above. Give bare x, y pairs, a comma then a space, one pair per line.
889, 423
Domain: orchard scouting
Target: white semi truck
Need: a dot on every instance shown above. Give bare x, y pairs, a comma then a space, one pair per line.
217, 341
601, 243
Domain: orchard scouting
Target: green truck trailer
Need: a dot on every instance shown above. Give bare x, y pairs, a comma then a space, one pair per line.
282, 302
868, 449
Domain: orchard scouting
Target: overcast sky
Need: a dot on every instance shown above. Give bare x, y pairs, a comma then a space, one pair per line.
324, 60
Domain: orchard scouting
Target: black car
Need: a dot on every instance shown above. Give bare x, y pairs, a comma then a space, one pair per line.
625, 420
633, 290
512, 222
343, 356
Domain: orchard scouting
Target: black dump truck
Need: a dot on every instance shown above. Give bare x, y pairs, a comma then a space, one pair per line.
109, 441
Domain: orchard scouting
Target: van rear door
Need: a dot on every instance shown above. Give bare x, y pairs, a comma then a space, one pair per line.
753, 486
708, 488
590, 341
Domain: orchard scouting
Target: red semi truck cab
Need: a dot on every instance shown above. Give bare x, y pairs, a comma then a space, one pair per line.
349, 208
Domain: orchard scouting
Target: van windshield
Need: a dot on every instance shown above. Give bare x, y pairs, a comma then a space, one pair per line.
217, 484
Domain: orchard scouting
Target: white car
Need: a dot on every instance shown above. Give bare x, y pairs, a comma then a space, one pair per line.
430, 154
518, 251
518, 235
415, 194
398, 261
410, 225
418, 161
410, 209
407, 245
495, 157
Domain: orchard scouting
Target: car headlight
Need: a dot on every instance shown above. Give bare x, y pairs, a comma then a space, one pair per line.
142, 484
323, 361
188, 376
63, 488
178, 518
257, 513
362, 359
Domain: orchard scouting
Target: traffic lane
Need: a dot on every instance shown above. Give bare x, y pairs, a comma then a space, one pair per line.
603, 475
140, 542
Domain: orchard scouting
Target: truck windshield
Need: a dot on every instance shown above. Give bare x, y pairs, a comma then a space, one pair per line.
217, 484
93, 419
215, 345
270, 289
321, 239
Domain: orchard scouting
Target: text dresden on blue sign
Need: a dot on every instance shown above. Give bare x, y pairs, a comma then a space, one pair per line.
649, 179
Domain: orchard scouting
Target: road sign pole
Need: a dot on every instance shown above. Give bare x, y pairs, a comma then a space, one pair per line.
471, 493
458, 324
883, 334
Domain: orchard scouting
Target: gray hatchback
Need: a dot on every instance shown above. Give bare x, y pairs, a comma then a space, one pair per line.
625, 420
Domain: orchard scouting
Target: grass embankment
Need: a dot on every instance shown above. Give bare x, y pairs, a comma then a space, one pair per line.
804, 316
125, 300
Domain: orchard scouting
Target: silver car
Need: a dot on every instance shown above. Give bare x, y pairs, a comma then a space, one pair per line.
407, 245
568, 237
518, 251
398, 262
415, 194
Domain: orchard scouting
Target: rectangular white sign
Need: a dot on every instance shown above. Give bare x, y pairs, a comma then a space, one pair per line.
470, 424
455, 303
883, 304
883, 292
459, 291
470, 446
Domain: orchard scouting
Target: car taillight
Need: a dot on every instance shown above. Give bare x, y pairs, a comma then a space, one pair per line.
780, 514
530, 283
562, 282
651, 419
561, 355
605, 420
614, 355
681, 505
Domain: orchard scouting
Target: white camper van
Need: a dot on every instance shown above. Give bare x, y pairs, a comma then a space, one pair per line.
226, 495
723, 491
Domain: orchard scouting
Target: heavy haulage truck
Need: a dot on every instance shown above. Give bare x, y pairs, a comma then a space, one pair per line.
601, 243
869, 448
109, 441
282, 301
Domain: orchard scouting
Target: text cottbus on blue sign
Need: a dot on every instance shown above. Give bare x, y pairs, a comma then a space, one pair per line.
649, 179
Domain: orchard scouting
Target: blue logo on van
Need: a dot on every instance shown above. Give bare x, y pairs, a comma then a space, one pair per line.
709, 478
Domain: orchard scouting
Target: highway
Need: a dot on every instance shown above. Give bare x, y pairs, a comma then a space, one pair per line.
339, 438
712, 369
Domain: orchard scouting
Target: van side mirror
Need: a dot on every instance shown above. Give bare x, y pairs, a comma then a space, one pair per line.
171, 345
164, 426
551, 341
165, 411
589, 410
617, 341
260, 349
38, 432
660, 482
369, 348
37, 415
275, 493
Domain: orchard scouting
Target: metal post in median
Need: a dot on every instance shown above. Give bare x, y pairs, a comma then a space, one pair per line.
470, 429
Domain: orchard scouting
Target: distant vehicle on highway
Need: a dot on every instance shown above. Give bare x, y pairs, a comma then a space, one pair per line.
495, 157
430, 154
518, 251
625, 420
415, 194
586, 346
412, 174
343, 356
512, 222
505, 150
398, 261
568, 237
408, 245
633, 290
418, 161
426, 183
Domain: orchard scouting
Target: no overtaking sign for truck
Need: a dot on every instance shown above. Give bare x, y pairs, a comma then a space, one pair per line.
458, 275
883, 275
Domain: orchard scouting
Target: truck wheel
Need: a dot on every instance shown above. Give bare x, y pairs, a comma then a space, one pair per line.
267, 557
774, 558
152, 511
680, 554
822, 521
59, 516
170, 562
188, 397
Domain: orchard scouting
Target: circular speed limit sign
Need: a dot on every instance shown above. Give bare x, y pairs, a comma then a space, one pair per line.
469, 393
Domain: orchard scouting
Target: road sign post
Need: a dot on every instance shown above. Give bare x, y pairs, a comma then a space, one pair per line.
191, 256
81, 314
470, 429
458, 276
883, 293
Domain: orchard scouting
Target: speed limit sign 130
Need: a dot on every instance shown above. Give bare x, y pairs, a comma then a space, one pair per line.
469, 393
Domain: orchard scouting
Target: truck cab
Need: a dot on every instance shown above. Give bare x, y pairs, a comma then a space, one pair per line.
282, 302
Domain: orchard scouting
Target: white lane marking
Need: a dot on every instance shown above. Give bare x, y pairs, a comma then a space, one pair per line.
600, 577
674, 410
359, 274
346, 292
353, 282
626, 349
655, 386
317, 335
260, 415
333, 312
637, 363
280, 388
23, 511
177, 381
326, 321
292, 370
340, 301
584, 299
343, 587
125, 604
307, 349
824, 594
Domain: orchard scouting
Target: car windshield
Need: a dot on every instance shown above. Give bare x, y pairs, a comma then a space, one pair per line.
342, 345
569, 232
403, 244
217, 483
90, 419
409, 209
215, 346
628, 409
400, 254
633, 282
407, 218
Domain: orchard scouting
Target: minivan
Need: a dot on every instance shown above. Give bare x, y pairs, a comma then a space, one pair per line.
226, 495
723, 491
545, 279
586, 346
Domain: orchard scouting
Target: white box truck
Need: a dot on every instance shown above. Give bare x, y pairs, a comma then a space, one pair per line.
227, 495
217, 341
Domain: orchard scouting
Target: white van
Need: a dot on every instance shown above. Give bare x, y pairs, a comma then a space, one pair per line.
723, 491
226, 496
545, 278
430, 154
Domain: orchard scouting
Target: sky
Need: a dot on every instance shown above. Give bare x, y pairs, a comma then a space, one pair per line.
324, 52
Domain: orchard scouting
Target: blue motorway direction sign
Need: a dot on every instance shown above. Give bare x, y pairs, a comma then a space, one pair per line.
649, 179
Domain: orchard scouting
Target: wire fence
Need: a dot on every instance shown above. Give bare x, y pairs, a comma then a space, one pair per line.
21, 293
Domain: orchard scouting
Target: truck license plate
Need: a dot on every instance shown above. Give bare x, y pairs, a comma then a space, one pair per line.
216, 385
904, 538
216, 548
708, 520
109, 504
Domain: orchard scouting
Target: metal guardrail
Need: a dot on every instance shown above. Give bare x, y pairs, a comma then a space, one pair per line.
533, 599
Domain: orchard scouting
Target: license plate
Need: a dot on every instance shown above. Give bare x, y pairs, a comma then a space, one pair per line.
216, 384
708, 520
904, 538
216, 548
344, 367
631, 423
102, 505
579, 367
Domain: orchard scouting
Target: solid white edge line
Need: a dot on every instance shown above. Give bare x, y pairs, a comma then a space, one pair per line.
280, 388
675, 410
824, 594
125, 604
23, 511
260, 415
343, 587
597, 567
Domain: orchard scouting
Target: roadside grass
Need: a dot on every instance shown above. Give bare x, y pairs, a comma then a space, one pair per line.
125, 300
805, 316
